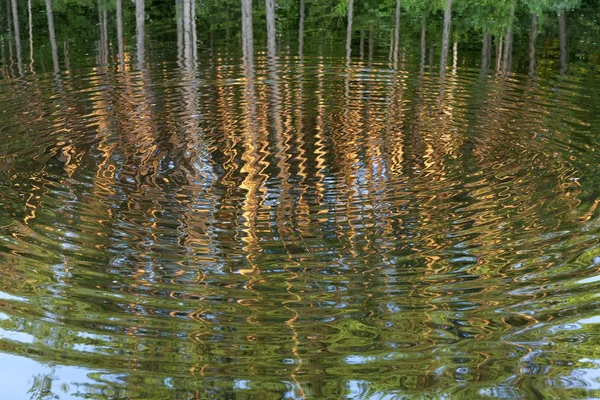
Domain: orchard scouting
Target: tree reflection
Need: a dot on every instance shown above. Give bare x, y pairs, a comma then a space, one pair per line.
42, 387
240, 219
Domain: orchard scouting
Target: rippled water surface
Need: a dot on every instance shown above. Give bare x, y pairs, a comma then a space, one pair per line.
298, 226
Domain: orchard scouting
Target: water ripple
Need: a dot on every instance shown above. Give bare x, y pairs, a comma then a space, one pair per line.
327, 228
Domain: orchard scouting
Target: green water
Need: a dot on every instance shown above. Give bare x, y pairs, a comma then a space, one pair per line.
186, 222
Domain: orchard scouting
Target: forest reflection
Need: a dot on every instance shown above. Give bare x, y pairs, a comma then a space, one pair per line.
377, 213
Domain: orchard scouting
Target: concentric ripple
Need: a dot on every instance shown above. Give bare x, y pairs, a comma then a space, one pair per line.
300, 227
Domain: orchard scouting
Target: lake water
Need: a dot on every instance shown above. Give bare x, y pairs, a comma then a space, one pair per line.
298, 224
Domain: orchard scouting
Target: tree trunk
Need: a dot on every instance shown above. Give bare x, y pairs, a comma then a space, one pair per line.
454, 58
499, 54
185, 14
17, 36
532, 40
371, 47
66, 56
361, 49
99, 56
120, 44
52, 34
102, 22
187, 33
140, 31
397, 33
486, 52
391, 55
431, 51
30, 35
271, 33
349, 30
562, 30
9, 30
194, 33
301, 29
4, 74
179, 20
446, 37
105, 33
507, 62
423, 44
247, 35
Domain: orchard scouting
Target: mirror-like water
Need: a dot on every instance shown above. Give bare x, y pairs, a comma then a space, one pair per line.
227, 220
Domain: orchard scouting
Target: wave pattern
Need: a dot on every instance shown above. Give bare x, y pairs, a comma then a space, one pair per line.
301, 227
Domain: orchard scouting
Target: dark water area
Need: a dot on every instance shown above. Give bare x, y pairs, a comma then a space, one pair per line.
185, 215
